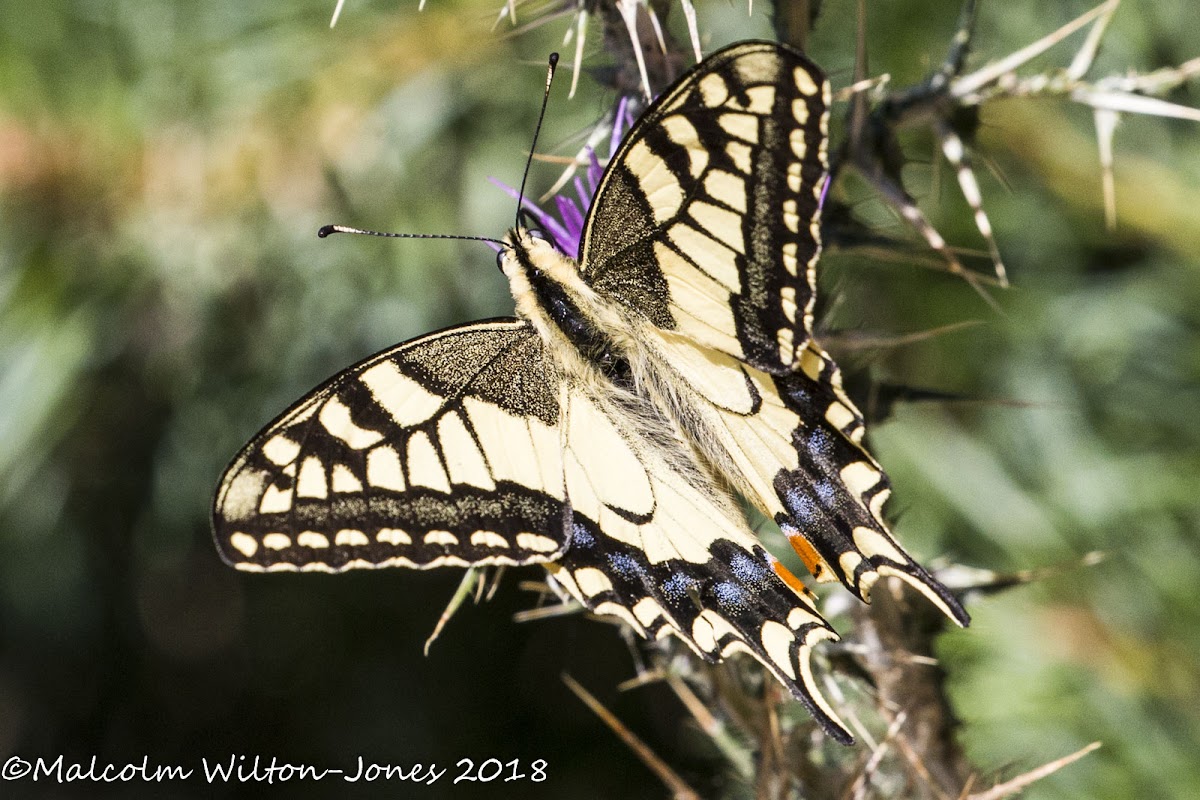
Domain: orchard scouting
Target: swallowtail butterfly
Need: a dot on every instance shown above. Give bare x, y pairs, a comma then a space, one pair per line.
607, 430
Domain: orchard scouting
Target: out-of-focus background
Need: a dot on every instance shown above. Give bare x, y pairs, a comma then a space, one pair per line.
163, 169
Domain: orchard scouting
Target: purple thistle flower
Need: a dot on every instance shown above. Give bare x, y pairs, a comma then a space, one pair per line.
564, 227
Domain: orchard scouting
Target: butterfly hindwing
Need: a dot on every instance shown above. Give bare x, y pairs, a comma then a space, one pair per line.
655, 543
442, 450
833, 496
707, 219
732, 602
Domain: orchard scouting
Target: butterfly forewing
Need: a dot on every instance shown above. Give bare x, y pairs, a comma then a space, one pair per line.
443, 450
707, 220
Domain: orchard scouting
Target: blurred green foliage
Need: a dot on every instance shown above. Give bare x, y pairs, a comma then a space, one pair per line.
163, 168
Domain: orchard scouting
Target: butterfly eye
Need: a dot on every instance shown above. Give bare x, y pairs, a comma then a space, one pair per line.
500, 260
545, 236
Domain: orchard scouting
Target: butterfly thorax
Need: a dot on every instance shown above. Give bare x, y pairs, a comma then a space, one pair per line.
584, 331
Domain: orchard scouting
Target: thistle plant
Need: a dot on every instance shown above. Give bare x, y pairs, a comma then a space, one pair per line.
1010, 284
886, 674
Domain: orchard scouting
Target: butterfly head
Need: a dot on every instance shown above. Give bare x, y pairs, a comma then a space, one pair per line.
531, 253
545, 283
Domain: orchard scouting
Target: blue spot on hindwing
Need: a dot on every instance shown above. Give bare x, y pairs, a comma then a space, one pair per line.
730, 596
801, 506
675, 588
800, 396
626, 566
819, 444
581, 537
748, 569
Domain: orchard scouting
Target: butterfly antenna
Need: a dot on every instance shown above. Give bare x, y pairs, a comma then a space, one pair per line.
541, 115
328, 230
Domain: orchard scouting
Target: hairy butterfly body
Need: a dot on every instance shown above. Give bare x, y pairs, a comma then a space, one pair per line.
608, 429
